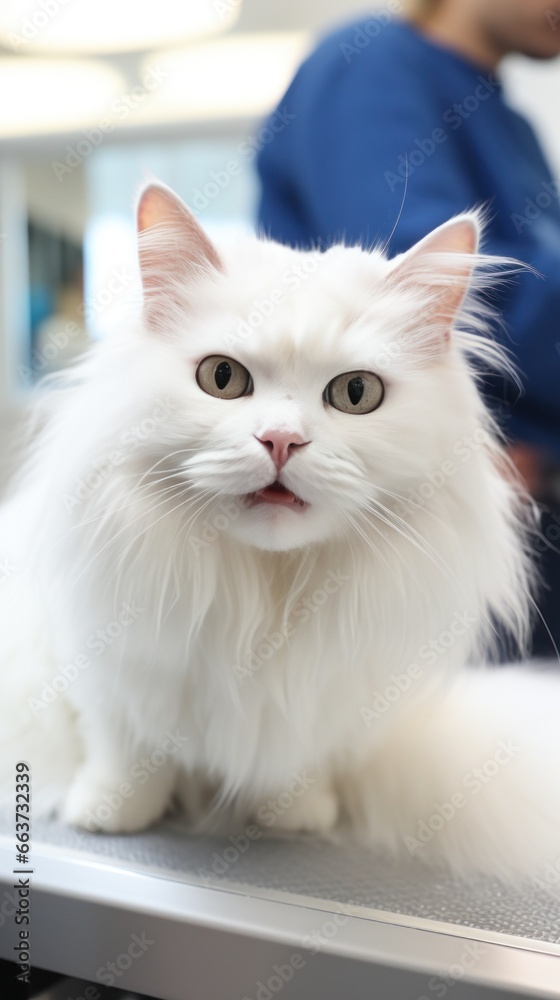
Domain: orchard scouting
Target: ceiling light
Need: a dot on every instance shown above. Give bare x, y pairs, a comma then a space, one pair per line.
105, 26
241, 75
49, 96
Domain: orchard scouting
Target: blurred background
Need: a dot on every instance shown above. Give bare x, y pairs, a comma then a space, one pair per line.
97, 96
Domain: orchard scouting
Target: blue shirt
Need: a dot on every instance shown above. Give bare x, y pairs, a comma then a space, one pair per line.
373, 104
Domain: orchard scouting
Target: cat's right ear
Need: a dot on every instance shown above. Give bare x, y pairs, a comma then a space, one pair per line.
440, 266
174, 253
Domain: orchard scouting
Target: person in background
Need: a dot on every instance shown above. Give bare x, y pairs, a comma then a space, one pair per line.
396, 124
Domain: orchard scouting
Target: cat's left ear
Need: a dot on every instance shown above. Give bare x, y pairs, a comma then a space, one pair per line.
442, 265
174, 253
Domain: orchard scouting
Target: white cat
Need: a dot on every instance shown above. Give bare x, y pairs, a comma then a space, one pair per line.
257, 541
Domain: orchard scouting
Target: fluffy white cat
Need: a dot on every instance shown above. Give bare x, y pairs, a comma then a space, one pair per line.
256, 543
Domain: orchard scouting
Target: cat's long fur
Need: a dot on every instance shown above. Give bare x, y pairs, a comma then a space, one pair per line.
312, 658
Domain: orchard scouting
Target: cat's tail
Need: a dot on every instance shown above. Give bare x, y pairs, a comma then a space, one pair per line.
469, 776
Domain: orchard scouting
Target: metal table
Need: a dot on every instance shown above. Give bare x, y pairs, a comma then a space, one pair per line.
184, 917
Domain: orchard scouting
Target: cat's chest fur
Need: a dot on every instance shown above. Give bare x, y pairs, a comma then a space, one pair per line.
256, 686
252, 682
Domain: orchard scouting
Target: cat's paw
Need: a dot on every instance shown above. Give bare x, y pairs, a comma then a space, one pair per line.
95, 804
316, 811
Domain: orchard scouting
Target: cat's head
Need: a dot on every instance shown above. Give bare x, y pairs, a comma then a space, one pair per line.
312, 390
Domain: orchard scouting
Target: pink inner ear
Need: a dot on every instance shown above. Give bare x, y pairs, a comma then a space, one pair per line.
160, 207
433, 263
172, 250
151, 209
455, 237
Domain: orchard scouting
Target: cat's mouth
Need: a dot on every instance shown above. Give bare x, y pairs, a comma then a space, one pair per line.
276, 493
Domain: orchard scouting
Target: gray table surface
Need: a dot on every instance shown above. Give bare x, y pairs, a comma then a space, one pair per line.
346, 874
277, 893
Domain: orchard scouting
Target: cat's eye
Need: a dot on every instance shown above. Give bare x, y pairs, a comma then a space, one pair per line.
223, 377
355, 392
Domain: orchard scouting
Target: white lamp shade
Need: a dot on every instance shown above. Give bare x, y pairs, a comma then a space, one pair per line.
109, 26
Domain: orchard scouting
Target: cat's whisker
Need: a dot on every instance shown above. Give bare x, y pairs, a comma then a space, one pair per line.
453, 578
414, 506
178, 474
411, 535
187, 506
109, 508
183, 530
117, 534
157, 490
122, 558
186, 497
202, 509
365, 537
400, 554
410, 503
357, 530
165, 458
102, 518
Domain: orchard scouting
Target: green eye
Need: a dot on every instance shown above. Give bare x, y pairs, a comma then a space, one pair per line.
355, 392
223, 377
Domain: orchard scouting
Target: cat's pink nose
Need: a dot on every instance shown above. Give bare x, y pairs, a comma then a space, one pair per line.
281, 444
